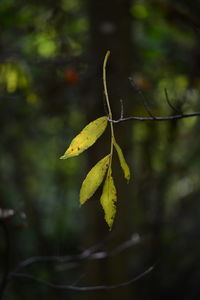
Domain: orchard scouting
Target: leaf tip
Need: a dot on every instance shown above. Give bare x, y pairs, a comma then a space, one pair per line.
63, 157
82, 201
110, 226
108, 52
110, 221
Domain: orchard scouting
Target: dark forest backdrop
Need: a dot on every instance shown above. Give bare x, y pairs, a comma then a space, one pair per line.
51, 56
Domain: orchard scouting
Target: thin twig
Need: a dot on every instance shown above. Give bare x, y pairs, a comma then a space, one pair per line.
166, 118
169, 102
108, 103
122, 109
86, 254
83, 288
91, 253
144, 98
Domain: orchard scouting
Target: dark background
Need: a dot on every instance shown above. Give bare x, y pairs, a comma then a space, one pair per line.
51, 56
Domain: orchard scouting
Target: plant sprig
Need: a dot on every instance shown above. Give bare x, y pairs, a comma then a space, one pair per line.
103, 168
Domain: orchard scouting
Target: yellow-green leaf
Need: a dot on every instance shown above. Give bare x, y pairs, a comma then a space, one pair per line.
108, 198
86, 138
122, 160
93, 179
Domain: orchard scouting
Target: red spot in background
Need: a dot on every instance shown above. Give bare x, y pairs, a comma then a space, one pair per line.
71, 76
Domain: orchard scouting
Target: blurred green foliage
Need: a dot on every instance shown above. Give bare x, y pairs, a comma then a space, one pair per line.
45, 75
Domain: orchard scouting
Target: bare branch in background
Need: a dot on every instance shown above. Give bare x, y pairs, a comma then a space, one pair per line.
83, 288
169, 102
88, 254
144, 98
122, 109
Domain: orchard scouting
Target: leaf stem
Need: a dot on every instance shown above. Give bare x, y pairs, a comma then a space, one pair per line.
108, 103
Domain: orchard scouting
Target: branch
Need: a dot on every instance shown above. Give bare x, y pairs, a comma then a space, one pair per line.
154, 118
178, 115
144, 98
169, 102
83, 288
88, 254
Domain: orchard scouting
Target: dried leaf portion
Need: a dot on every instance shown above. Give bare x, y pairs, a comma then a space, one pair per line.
86, 138
122, 161
93, 179
109, 198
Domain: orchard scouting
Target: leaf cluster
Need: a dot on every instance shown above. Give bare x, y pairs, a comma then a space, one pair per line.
102, 171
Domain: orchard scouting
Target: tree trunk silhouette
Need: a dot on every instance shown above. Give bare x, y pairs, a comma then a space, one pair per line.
110, 29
